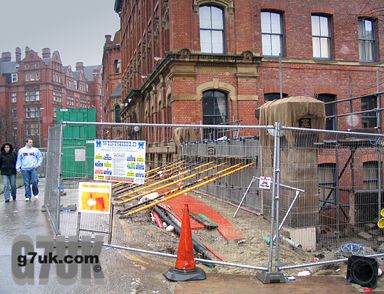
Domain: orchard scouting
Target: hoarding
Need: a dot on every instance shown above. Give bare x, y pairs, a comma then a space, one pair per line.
119, 161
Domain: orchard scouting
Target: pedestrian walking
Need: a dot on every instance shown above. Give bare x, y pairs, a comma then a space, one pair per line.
29, 159
8, 171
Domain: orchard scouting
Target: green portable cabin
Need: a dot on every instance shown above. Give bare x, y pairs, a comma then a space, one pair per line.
78, 146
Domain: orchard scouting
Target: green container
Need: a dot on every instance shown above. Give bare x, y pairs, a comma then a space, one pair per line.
77, 140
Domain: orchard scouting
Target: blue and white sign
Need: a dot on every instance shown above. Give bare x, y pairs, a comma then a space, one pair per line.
120, 161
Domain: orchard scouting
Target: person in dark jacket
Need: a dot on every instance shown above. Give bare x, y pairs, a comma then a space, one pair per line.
8, 160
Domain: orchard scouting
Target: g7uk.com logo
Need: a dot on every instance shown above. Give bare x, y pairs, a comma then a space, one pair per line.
72, 259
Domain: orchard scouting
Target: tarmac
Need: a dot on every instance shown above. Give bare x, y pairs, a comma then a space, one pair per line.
126, 272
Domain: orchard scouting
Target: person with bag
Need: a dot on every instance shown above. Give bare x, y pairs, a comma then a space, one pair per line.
8, 171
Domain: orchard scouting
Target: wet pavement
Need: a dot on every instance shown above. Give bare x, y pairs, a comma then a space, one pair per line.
123, 272
127, 272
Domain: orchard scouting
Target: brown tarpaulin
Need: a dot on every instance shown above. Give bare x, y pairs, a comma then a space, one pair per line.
289, 111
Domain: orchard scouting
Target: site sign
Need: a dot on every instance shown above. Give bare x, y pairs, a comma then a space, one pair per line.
95, 197
119, 161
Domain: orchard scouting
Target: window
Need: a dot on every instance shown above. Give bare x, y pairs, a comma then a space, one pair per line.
13, 97
70, 101
327, 181
56, 97
117, 114
32, 129
367, 40
14, 113
272, 33
215, 112
117, 65
14, 78
321, 36
32, 112
211, 29
31, 96
32, 76
330, 110
370, 175
273, 96
368, 119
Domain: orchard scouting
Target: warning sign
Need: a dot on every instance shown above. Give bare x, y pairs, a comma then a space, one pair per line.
95, 197
265, 183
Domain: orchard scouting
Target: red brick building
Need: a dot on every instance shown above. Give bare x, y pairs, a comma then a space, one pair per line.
181, 58
217, 61
33, 87
111, 82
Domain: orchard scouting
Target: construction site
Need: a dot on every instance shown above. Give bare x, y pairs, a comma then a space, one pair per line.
276, 199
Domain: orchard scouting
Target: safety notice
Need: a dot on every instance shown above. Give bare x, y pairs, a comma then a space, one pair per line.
120, 161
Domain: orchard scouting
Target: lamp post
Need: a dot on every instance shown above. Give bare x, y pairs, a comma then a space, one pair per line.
40, 125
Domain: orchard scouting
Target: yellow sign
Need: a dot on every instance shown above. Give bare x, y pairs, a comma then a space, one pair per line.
95, 197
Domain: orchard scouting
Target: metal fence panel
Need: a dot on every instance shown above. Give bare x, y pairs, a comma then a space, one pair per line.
52, 193
327, 186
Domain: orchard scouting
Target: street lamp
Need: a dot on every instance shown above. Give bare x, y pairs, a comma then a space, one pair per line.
40, 125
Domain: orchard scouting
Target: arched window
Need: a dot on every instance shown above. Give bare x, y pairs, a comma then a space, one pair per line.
211, 29
117, 113
215, 112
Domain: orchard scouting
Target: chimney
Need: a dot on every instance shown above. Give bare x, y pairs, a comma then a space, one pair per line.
107, 38
79, 66
18, 54
46, 53
6, 56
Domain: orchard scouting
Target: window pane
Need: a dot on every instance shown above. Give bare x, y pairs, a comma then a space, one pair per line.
368, 29
205, 41
205, 17
368, 51
325, 48
275, 45
361, 29
324, 31
267, 50
315, 26
217, 18
265, 22
316, 47
217, 42
362, 51
275, 21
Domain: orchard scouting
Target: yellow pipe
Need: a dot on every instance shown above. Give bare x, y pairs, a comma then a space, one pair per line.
166, 169
170, 184
185, 191
180, 188
134, 186
160, 182
148, 172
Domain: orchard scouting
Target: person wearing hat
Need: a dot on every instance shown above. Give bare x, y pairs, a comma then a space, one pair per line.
8, 160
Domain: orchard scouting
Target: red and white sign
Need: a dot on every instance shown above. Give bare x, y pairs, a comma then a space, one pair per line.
265, 183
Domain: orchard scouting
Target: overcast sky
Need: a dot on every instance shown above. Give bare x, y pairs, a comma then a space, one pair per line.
76, 28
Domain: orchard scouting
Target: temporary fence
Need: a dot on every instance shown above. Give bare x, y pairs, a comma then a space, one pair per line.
257, 193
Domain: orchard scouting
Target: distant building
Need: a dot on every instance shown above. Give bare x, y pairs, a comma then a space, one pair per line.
32, 88
111, 82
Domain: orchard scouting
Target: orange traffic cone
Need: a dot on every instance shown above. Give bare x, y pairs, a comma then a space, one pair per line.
185, 268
